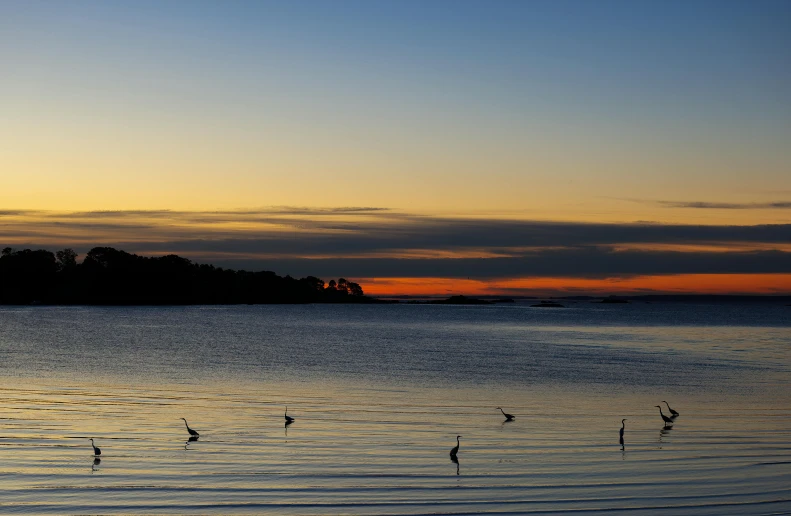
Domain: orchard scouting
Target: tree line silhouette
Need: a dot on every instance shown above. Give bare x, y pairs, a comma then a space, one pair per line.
108, 276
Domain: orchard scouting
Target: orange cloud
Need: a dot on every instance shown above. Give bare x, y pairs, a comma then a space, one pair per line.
670, 284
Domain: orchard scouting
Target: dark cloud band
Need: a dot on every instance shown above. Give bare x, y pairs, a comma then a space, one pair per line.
727, 205
370, 242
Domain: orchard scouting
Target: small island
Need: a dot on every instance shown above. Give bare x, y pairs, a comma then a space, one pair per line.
548, 304
464, 300
613, 300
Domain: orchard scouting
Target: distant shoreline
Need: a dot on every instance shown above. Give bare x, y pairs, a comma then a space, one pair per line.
111, 277
469, 300
642, 298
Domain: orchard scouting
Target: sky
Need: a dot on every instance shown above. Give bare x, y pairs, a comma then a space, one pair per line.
415, 147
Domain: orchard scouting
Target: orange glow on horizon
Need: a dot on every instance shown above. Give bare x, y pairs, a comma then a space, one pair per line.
670, 284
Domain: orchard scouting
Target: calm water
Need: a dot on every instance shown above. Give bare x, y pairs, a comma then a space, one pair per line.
379, 394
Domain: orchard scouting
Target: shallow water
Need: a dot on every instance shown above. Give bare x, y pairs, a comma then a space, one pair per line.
379, 394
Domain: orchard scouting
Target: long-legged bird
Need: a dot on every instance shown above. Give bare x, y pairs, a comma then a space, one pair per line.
289, 419
667, 420
455, 449
623, 427
190, 430
96, 451
675, 414
508, 417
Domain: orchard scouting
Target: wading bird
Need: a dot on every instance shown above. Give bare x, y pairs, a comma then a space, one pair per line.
623, 427
96, 451
192, 432
675, 414
289, 419
455, 449
508, 417
667, 420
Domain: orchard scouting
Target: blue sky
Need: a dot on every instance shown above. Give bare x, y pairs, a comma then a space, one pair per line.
585, 112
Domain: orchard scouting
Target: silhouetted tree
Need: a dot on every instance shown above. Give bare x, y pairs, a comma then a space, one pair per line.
111, 276
26, 275
314, 283
355, 289
67, 259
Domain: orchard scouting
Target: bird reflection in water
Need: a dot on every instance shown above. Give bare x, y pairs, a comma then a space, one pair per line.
663, 432
96, 462
454, 459
192, 439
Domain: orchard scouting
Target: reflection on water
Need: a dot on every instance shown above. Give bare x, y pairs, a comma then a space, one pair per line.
454, 459
367, 450
368, 444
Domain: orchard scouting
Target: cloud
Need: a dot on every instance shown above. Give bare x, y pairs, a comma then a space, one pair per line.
726, 205
572, 262
16, 213
237, 214
371, 242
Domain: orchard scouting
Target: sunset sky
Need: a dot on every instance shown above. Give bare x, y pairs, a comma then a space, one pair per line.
464, 147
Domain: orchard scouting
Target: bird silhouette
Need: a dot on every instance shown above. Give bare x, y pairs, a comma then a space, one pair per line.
668, 421
675, 414
289, 419
508, 417
455, 449
96, 451
623, 427
192, 432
